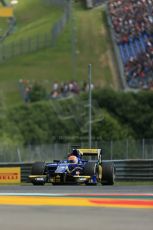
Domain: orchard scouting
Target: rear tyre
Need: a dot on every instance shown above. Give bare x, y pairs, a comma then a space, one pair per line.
108, 173
38, 168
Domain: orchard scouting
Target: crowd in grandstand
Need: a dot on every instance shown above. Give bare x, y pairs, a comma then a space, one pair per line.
133, 26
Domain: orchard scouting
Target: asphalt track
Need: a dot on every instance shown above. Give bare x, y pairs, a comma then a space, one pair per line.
118, 208
77, 189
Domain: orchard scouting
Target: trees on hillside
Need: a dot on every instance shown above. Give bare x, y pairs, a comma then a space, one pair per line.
116, 116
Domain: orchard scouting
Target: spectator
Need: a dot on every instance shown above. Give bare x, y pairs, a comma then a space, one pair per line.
133, 26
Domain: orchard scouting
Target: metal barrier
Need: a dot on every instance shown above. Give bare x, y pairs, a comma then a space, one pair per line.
134, 170
125, 170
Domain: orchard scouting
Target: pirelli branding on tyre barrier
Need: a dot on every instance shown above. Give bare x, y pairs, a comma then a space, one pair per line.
10, 175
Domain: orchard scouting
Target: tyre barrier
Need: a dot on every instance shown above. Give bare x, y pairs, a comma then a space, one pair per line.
125, 170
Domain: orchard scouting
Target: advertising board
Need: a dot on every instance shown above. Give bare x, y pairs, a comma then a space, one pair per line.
10, 175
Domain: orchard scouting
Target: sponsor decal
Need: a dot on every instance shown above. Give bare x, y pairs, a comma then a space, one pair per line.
10, 175
39, 179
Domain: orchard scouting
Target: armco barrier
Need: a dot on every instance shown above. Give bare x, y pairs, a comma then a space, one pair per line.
134, 170
125, 170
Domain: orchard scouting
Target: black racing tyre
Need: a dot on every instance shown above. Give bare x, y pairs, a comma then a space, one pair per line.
90, 169
38, 168
38, 183
108, 173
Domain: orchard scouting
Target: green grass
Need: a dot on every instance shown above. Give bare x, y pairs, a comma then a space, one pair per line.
123, 183
58, 63
33, 17
137, 183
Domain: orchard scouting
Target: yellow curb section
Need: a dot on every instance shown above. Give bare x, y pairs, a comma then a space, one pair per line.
60, 201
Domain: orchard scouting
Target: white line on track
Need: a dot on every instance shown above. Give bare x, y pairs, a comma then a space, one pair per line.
76, 194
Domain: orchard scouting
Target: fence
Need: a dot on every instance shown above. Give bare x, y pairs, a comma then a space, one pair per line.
56, 2
125, 170
11, 24
112, 150
93, 3
40, 41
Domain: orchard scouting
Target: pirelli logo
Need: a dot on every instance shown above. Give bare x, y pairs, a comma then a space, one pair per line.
10, 175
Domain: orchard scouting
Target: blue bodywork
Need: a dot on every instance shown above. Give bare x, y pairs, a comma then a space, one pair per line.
66, 172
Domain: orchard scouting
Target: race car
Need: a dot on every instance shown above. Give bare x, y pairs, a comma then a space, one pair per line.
82, 166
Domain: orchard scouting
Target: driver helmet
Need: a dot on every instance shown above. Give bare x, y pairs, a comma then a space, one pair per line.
75, 152
73, 159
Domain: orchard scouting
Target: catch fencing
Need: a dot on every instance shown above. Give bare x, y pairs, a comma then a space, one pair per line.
93, 3
56, 2
39, 41
112, 150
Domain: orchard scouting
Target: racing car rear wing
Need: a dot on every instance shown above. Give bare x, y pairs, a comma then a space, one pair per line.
89, 152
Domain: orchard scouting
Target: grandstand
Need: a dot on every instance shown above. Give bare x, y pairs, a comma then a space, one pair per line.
132, 23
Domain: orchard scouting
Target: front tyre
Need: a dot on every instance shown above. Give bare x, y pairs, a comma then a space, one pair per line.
38, 168
90, 169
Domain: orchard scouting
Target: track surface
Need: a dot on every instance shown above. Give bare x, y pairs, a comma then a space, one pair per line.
77, 189
62, 217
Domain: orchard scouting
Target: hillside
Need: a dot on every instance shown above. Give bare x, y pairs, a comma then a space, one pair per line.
60, 62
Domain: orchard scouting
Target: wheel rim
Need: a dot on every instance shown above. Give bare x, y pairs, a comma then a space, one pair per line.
99, 172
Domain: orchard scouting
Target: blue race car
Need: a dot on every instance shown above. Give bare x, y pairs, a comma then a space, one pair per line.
82, 166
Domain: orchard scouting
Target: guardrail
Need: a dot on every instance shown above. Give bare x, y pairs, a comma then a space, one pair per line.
134, 170
126, 170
